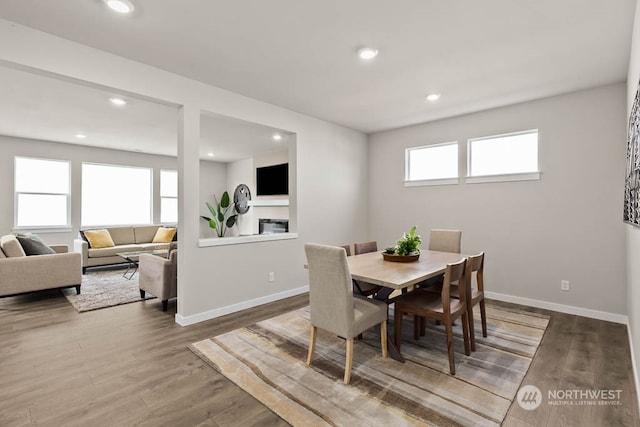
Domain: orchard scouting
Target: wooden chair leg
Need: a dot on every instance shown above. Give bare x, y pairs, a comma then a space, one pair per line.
416, 327
449, 333
312, 344
465, 332
397, 321
423, 326
348, 362
483, 317
472, 330
383, 339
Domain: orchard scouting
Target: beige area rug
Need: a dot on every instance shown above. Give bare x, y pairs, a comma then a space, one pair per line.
267, 360
104, 288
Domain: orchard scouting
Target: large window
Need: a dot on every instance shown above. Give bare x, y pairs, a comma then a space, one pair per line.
436, 163
168, 196
42, 190
514, 153
115, 195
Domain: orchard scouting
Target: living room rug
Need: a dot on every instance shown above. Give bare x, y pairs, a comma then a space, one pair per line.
267, 360
104, 288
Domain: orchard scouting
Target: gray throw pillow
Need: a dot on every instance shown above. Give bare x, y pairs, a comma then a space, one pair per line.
33, 245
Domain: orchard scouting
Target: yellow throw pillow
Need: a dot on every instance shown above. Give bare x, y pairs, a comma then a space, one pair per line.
99, 239
164, 235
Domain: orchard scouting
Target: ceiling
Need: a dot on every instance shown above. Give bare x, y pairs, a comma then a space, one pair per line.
302, 55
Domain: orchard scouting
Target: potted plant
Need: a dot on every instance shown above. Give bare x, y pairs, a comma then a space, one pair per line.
223, 216
406, 249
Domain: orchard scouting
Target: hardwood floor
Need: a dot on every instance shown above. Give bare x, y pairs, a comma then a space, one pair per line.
129, 365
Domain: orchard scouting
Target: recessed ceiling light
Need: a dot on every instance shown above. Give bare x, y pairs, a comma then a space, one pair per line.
81, 135
210, 154
277, 137
433, 97
118, 101
367, 53
120, 6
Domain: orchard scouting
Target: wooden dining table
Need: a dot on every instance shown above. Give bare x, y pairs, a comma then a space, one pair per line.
372, 268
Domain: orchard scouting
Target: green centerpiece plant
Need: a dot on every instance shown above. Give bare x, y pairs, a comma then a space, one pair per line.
223, 216
409, 244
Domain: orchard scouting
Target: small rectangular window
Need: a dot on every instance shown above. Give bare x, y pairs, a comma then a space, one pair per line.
432, 164
168, 196
509, 154
42, 193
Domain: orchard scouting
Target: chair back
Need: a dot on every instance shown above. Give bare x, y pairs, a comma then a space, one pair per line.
445, 240
347, 249
455, 274
366, 247
475, 264
330, 294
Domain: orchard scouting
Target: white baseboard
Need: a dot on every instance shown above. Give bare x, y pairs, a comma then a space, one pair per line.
633, 363
569, 309
222, 311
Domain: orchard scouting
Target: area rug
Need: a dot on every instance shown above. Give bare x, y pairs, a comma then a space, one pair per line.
104, 288
267, 360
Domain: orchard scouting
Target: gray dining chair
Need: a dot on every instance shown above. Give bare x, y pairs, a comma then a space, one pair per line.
333, 306
445, 240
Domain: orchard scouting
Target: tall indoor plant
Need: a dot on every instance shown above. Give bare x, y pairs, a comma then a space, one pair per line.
223, 216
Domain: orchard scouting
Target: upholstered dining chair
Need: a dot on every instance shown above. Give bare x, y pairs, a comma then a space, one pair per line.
442, 307
445, 240
364, 288
333, 306
474, 295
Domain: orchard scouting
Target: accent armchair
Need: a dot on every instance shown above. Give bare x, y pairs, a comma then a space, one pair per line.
159, 276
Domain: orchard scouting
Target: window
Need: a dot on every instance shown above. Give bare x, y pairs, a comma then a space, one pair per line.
115, 195
435, 163
42, 192
168, 196
509, 154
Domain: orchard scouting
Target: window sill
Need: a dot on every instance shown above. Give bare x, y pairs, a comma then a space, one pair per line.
528, 176
426, 182
237, 240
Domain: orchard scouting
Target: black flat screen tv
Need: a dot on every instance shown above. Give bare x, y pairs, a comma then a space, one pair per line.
272, 180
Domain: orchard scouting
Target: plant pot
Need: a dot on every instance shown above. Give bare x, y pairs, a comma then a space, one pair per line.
400, 258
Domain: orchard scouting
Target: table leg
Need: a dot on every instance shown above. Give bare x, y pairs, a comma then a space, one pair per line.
131, 266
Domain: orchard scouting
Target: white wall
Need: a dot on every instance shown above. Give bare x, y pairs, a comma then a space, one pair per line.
328, 206
567, 226
213, 181
632, 232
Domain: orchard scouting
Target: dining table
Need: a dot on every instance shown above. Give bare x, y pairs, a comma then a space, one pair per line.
372, 268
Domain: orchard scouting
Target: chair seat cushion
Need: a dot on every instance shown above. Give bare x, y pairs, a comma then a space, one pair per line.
425, 301
367, 313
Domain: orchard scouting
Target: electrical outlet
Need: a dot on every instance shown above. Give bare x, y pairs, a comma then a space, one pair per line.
272, 276
564, 285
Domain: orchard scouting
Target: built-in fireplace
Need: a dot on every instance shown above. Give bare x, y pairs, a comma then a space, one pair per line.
273, 226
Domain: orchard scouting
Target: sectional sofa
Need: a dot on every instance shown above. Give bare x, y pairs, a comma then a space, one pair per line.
125, 239
21, 273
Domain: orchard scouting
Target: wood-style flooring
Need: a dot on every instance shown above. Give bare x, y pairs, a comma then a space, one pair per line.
129, 365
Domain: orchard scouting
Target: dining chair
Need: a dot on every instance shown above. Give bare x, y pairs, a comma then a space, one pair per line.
445, 240
442, 307
347, 249
364, 288
333, 306
474, 296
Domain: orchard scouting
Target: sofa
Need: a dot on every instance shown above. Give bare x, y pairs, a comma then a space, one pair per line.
159, 276
124, 239
21, 273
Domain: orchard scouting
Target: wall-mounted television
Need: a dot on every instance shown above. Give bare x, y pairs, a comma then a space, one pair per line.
272, 180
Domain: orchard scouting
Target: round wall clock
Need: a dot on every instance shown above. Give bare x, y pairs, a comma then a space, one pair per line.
241, 198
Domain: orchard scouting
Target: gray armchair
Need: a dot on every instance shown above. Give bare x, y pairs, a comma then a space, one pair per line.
333, 306
159, 276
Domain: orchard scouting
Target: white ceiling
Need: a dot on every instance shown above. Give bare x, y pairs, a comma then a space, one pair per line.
301, 55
